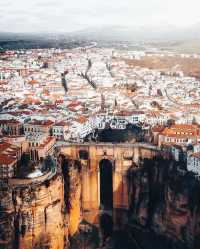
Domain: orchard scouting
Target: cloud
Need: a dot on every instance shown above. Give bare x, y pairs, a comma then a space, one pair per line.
56, 15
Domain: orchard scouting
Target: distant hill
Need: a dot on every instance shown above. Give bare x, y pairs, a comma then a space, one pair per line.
166, 37
143, 33
32, 41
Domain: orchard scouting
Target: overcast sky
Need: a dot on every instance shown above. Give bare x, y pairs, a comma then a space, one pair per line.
71, 15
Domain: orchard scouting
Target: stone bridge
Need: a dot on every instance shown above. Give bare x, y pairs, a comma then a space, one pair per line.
104, 175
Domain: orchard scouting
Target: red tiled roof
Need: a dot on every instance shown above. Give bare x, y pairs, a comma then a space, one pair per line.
9, 121
41, 122
74, 104
81, 120
182, 130
32, 82
8, 153
7, 159
4, 146
47, 141
184, 126
197, 154
158, 128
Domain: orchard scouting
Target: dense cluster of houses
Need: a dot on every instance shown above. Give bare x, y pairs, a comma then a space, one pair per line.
36, 111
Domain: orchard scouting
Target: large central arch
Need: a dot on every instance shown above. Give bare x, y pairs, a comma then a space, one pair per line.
106, 184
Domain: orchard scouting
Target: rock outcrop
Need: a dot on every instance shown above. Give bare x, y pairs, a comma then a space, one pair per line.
163, 200
46, 212
72, 193
41, 212
31, 215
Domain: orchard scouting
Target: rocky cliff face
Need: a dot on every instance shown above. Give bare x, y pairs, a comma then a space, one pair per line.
31, 216
43, 213
71, 171
165, 201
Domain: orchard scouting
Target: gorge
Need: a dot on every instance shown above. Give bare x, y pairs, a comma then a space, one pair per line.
102, 196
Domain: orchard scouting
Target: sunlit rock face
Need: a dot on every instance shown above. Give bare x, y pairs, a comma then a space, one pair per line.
71, 170
163, 200
41, 212
32, 216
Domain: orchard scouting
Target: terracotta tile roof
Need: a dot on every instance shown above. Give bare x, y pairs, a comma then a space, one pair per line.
8, 153
158, 128
32, 82
41, 122
81, 120
184, 126
7, 159
74, 104
20, 113
47, 141
128, 113
197, 154
4, 146
9, 121
182, 130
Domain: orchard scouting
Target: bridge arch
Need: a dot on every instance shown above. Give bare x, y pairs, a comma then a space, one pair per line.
106, 184
83, 154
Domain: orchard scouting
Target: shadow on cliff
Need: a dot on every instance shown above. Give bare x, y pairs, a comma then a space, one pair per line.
163, 205
66, 166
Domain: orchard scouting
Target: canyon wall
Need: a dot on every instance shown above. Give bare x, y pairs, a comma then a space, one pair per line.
166, 201
31, 216
45, 212
41, 212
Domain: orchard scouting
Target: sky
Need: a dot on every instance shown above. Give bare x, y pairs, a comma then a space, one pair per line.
74, 15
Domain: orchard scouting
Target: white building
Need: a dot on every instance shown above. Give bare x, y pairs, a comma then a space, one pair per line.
137, 117
119, 120
156, 119
81, 127
61, 131
193, 163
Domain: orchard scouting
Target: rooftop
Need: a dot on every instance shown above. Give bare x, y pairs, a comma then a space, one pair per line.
7, 159
41, 122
